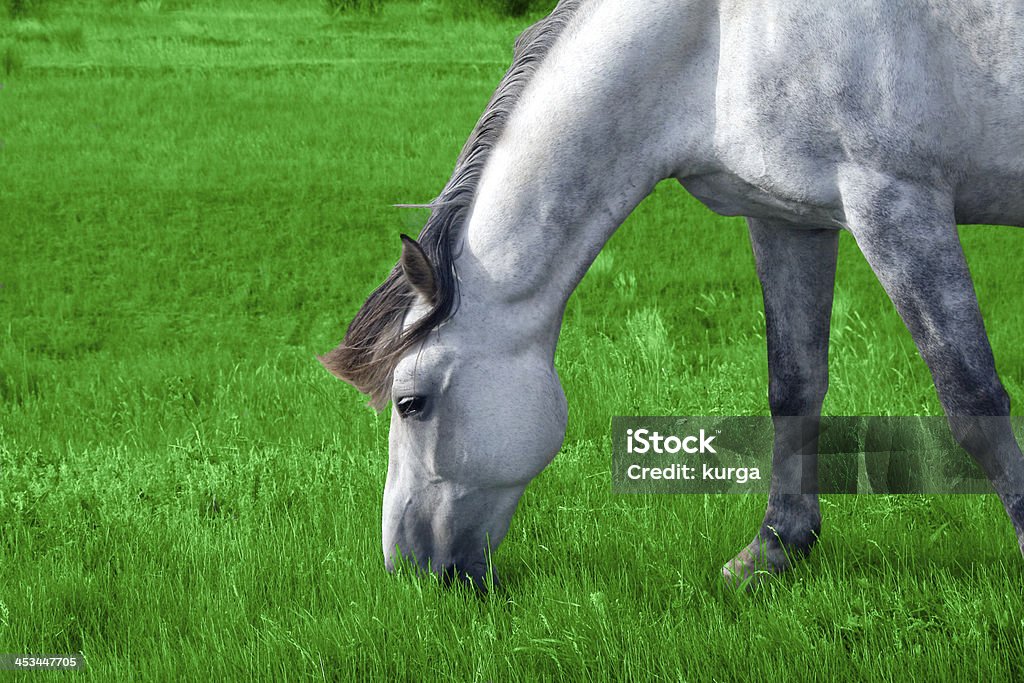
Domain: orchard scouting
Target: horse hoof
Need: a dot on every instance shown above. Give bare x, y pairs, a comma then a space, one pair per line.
754, 566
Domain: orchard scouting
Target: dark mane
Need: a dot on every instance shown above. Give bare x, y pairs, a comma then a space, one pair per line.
374, 342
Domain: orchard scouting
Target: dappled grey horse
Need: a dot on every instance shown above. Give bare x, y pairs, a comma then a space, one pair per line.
893, 121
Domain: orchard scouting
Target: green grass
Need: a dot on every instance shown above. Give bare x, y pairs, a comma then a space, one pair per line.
195, 198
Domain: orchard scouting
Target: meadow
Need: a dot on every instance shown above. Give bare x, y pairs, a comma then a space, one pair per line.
196, 197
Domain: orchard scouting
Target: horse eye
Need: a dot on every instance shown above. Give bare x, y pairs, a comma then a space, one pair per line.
411, 405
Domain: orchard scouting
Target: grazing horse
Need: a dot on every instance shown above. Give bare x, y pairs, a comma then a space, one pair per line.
891, 120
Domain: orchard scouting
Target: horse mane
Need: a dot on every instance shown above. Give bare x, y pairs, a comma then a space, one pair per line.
374, 341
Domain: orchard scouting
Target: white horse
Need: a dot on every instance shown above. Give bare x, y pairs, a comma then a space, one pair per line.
891, 120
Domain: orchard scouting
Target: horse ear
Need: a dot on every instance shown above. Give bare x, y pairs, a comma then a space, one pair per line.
417, 268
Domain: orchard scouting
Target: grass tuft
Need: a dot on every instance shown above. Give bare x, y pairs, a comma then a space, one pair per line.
22, 9
335, 7
486, 9
11, 60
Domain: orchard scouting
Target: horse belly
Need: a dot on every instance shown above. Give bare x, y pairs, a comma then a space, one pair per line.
993, 196
728, 194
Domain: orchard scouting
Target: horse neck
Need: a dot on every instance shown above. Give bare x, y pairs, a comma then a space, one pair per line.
591, 135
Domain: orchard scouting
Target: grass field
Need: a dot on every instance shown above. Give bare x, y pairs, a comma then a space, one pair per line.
195, 198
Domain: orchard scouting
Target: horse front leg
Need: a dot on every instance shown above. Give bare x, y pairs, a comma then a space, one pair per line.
908, 235
797, 268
